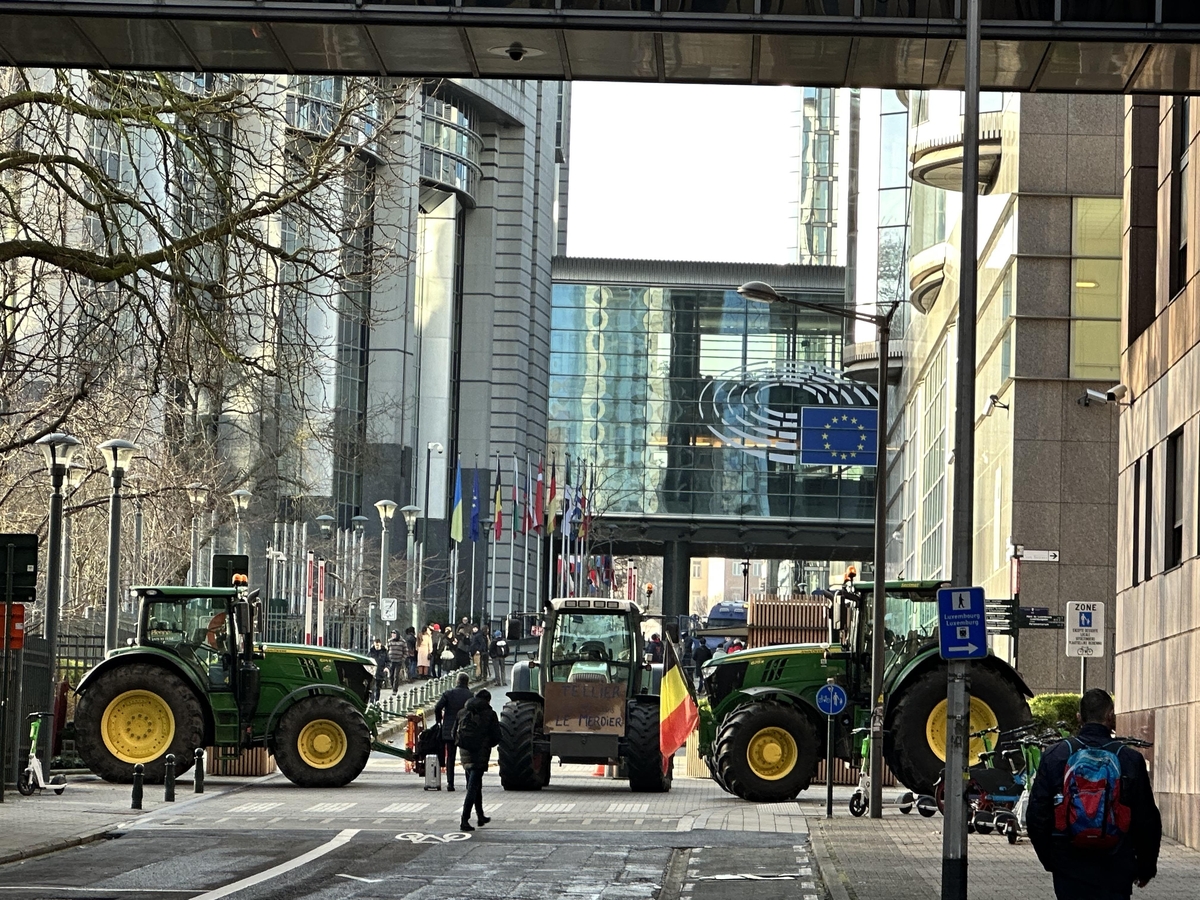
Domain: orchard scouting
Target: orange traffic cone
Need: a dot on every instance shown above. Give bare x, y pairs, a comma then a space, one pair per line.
599, 773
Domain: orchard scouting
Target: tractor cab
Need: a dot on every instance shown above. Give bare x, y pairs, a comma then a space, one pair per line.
592, 640
910, 620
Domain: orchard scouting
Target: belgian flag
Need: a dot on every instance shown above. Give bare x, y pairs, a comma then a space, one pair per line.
678, 714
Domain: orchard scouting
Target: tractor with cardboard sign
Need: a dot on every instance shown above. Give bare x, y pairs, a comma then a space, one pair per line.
588, 696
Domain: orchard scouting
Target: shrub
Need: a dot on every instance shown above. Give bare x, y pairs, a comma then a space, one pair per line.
1050, 709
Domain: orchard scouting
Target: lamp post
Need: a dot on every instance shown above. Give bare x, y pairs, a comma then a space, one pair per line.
359, 525
117, 456
197, 495
241, 500
76, 475
58, 449
410, 514
430, 448
387, 509
757, 290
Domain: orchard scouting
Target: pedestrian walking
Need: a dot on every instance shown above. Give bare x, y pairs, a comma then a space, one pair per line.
449, 705
478, 731
410, 638
424, 646
437, 645
497, 652
478, 648
397, 656
379, 653
654, 649
700, 655
1092, 817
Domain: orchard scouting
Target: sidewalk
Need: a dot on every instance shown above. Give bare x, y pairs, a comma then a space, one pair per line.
899, 857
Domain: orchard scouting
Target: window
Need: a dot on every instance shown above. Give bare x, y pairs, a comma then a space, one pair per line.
1096, 288
1180, 141
1137, 519
695, 570
933, 468
1148, 540
1173, 533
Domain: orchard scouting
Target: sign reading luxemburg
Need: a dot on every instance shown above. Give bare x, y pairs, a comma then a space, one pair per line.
594, 707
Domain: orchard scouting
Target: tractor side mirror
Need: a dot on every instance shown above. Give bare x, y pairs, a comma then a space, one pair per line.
245, 617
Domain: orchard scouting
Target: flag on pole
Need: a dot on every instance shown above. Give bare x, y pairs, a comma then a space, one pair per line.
498, 506
553, 490
531, 522
585, 503
678, 713
568, 499
539, 499
516, 501
474, 532
456, 516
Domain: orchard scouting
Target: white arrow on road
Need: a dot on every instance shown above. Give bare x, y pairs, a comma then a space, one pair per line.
970, 648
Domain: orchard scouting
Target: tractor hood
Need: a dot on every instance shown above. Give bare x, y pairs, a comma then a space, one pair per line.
316, 652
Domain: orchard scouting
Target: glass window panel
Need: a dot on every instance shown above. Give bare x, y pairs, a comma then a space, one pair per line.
1095, 350
1097, 227
1097, 289
893, 156
893, 207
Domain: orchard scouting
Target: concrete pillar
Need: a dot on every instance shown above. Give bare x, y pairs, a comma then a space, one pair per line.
676, 580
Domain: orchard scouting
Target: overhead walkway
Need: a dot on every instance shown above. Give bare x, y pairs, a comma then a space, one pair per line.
1028, 45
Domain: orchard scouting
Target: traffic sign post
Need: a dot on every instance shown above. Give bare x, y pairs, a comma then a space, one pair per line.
831, 700
388, 608
1085, 634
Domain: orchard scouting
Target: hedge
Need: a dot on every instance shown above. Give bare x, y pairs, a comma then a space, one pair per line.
1050, 709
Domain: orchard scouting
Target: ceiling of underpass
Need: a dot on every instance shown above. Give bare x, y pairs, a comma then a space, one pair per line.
723, 46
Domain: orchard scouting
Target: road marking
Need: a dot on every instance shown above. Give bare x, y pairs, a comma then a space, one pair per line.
341, 838
747, 876
416, 837
404, 808
357, 878
629, 807
92, 890
330, 807
553, 808
253, 807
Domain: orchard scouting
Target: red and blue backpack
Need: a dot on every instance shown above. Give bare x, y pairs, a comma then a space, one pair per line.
1091, 813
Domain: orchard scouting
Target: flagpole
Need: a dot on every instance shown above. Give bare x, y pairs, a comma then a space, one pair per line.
491, 573
474, 521
525, 550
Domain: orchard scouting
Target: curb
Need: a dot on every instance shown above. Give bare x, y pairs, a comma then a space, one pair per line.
835, 881
53, 846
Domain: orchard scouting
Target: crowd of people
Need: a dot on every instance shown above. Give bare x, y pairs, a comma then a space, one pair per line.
438, 650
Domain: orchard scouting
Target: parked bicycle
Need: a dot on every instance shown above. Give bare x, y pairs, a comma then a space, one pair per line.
33, 779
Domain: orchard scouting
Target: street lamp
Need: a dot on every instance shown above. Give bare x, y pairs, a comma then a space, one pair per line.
387, 509
117, 456
758, 290
76, 475
359, 525
58, 449
410, 514
430, 449
325, 523
197, 495
241, 500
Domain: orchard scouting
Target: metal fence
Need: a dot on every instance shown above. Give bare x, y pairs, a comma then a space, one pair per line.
28, 690
347, 631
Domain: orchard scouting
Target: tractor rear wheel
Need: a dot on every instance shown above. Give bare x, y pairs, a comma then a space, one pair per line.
766, 752
915, 744
521, 769
645, 760
138, 713
322, 742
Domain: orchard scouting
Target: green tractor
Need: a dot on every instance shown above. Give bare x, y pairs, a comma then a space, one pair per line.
197, 676
587, 697
762, 735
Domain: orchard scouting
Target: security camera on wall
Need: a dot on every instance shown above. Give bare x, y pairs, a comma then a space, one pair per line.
1117, 393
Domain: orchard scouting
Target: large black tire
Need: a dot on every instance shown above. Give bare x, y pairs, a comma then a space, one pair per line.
520, 768
322, 742
645, 760
715, 774
766, 752
138, 713
907, 746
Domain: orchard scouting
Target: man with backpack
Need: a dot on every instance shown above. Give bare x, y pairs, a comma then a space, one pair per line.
446, 713
477, 732
497, 651
1092, 817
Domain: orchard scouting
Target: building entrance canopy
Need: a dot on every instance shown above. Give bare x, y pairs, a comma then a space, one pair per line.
1078, 46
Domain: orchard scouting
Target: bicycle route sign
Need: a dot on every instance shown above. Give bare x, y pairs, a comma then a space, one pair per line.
962, 623
831, 699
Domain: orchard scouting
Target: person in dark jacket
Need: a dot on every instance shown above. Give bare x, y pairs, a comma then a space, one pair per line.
478, 648
379, 653
410, 638
435, 651
446, 713
1081, 874
397, 654
475, 760
497, 652
700, 655
654, 649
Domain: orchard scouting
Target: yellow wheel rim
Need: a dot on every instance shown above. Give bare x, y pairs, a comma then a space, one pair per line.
137, 727
321, 744
771, 753
981, 717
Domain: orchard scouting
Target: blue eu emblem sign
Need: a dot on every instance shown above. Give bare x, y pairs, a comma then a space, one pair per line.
838, 435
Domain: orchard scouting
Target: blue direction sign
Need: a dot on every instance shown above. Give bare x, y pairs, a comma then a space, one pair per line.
962, 623
831, 699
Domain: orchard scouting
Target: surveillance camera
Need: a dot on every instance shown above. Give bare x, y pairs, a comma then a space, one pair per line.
516, 52
1117, 393
1089, 397
989, 406
896, 535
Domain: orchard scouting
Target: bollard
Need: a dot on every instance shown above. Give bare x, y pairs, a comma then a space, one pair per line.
169, 779
138, 775
199, 782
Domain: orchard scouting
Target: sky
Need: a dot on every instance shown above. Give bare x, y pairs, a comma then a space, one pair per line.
683, 172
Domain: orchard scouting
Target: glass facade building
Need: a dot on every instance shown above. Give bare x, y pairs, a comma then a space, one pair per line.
683, 401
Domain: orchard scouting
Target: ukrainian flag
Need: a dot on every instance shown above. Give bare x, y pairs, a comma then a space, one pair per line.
456, 515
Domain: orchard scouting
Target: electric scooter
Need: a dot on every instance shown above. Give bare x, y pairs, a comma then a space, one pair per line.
32, 779
860, 800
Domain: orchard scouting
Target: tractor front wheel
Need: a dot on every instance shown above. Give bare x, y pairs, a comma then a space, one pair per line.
521, 769
138, 713
322, 742
766, 752
645, 760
